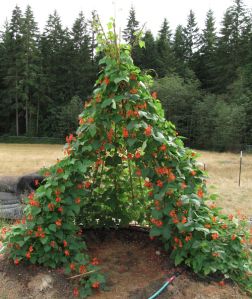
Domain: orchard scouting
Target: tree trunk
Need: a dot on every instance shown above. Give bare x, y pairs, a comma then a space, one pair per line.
26, 116
16, 104
37, 123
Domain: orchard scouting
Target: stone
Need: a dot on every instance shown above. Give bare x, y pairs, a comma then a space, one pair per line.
40, 283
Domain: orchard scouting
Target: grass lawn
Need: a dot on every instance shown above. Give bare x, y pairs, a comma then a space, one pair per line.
223, 169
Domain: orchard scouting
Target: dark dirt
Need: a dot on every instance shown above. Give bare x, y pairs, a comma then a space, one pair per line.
135, 268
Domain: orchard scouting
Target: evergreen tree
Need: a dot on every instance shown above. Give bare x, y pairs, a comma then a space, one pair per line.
15, 71
131, 28
233, 47
6, 105
191, 32
149, 53
55, 47
205, 70
31, 68
179, 49
81, 58
165, 61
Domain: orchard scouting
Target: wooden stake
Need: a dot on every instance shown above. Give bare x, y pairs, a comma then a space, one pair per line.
83, 274
239, 183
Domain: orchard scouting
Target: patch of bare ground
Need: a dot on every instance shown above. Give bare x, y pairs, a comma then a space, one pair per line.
135, 268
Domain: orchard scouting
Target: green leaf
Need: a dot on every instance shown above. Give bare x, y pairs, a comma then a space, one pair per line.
106, 103
178, 259
142, 44
166, 232
52, 227
92, 130
155, 231
113, 104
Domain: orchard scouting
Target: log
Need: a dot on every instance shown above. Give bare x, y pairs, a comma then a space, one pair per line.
11, 191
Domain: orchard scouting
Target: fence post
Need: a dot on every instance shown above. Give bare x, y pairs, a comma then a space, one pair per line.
239, 184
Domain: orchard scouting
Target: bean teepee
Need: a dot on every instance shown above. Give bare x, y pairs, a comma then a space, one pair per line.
126, 163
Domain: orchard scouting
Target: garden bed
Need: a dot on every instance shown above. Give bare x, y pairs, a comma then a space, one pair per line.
135, 268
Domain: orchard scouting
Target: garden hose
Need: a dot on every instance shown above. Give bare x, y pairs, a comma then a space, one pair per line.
164, 286
2, 249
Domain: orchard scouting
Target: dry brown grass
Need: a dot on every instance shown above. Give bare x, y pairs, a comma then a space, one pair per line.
223, 169
19, 159
223, 172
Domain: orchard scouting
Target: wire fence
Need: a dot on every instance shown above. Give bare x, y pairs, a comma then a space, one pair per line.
32, 140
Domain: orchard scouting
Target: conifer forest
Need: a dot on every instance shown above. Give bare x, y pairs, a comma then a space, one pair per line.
203, 77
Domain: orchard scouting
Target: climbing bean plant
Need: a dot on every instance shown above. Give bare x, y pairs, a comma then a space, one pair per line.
127, 163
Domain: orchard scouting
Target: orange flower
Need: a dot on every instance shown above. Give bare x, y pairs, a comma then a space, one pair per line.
233, 237
188, 238
95, 261
90, 120
162, 147
58, 199
58, 222
221, 283
200, 193
215, 236
138, 172
130, 156
87, 185
70, 138
98, 98
60, 170
72, 266
230, 217
75, 292
133, 91
148, 131
179, 203
193, 172
172, 213
31, 249
66, 252
106, 80
175, 220
81, 121
159, 184
82, 269
184, 220
125, 133
36, 183
65, 243
171, 177
28, 255
133, 77
137, 155
154, 94
183, 185
79, 186
60, 209
215, 254
148, 184
16, 261
77, 200
96, 285
51, 207
207, 226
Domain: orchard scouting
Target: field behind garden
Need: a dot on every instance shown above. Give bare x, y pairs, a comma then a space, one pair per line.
223, 170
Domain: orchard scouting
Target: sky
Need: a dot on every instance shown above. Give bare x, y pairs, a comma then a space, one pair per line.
150, 12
